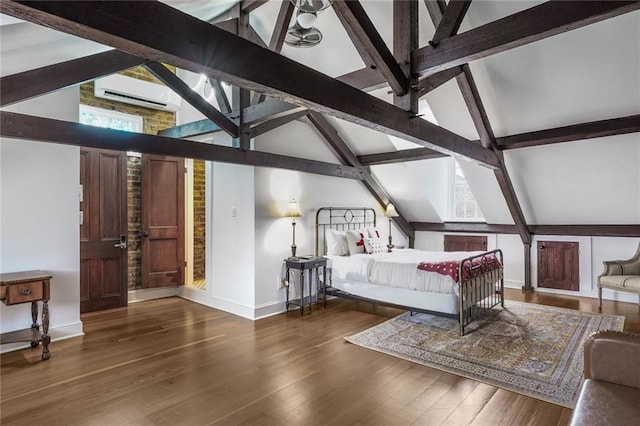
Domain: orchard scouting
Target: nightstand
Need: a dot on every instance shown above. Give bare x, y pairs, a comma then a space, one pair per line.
310, 264
25, 287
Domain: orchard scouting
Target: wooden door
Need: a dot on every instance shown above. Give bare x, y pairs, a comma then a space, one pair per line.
558, 265
162, 221
465, 243
103, 259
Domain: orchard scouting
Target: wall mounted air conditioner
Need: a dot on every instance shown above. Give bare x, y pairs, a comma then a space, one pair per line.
130, 90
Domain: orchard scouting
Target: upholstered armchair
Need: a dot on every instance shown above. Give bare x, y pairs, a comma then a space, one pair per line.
610, 394
621, 275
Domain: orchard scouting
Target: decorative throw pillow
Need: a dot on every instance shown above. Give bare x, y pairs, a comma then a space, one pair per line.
374, 245
336, 243
374, 232
355, 241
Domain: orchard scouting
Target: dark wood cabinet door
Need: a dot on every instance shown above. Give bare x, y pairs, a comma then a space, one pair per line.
103, 264
465, 243
558, 265
162, 221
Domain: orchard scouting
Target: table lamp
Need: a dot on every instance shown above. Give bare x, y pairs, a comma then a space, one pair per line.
390, 212
293, 211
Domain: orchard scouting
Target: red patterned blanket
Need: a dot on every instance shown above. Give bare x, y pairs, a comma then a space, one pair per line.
479, 265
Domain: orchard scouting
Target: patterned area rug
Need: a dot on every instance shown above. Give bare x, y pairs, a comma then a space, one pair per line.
530, 349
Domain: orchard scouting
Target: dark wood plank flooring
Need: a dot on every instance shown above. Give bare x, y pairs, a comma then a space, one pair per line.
174, 362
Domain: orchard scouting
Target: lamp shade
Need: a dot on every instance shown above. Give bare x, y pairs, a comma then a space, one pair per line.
293, 210
391, 211
312, 5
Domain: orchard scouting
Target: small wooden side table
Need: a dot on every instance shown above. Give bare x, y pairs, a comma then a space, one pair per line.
24, 287
307, 264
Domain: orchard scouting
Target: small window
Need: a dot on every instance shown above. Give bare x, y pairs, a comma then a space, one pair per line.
463, 205
110, 119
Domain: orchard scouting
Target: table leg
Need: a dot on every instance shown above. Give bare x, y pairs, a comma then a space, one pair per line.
324, 285
301, 292
46, 339
287, 284
34, 321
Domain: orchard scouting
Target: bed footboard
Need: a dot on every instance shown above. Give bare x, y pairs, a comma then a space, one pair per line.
480, 285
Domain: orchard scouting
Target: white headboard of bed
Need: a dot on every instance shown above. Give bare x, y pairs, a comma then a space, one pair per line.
341, 219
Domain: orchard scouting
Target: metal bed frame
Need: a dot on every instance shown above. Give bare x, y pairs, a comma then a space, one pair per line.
480, 284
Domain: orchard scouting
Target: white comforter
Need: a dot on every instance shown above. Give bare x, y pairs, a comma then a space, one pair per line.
397, 269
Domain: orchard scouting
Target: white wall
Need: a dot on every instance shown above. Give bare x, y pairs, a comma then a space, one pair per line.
273, 191
593, 251
39, 226
230, 229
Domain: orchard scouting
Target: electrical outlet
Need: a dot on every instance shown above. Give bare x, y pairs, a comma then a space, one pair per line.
280, 282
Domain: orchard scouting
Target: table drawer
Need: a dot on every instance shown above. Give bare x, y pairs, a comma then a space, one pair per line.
24, 292
317, 263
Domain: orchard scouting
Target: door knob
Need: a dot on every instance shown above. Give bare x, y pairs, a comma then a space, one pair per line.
144, 234
123, 242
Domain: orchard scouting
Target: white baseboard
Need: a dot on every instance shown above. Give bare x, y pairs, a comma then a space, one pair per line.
269, 309
60, 332
152, 293
200, 296
617, 296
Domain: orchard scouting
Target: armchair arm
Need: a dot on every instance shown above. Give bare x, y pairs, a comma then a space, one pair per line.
613, 356
623, 267
612, 267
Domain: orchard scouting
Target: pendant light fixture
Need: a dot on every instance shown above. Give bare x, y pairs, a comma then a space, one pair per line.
312, 6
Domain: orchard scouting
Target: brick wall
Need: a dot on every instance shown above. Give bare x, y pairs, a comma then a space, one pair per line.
198, 220
153, 122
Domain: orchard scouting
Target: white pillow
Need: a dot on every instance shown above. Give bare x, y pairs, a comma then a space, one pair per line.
355, 241
374, 232
336, 243
374, 245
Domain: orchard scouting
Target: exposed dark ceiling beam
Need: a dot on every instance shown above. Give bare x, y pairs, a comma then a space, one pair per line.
583, 131
572, 230
464, 227
274, 123
282, 25
193, 98
405, 41
536, 23
360, 48
278, 35
341, 148
399, 156
189, 130
227, 15
269, 109
40, 81
451, 20
221, 96
587, 230
164, 34
365, 79
240, 96
20, 126
575, 132
357, 22
436, 80
248, 6
469, 90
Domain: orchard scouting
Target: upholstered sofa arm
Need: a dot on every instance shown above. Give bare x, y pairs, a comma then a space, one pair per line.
613, 356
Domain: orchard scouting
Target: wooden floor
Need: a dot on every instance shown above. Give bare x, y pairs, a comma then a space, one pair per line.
174, 362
